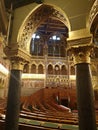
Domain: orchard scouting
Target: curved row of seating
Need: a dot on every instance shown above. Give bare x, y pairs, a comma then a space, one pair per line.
40, 111
45, 99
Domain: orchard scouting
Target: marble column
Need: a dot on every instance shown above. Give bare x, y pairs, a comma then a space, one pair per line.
13, 102
85, 97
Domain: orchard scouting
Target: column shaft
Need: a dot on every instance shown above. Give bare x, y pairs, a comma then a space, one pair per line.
13, 103
85, 97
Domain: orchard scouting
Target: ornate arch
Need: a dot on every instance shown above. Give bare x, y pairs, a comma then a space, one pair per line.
41, 62
40, 69
33, 68
57, 69
64, 70
26, 68
34, 19
33, 62
72, 70
50, 69
93, 13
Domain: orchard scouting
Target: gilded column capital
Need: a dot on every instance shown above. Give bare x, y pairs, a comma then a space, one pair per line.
15, 51
17, 63
17, 57
81, 54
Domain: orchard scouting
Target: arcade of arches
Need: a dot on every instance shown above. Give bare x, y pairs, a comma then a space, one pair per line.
49, 44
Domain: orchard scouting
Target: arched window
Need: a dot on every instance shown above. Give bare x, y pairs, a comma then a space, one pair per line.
33, 69
57, 70
50, 69
62, 51
36, 46
26, 68
72, 70
56, 50
40, 69
50, 50
55, 47
63, 70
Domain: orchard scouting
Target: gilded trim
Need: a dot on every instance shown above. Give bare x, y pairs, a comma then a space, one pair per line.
81, 54
17, 64
93, 12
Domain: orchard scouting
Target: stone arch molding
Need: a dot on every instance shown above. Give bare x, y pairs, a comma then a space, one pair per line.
34, 19
93, 13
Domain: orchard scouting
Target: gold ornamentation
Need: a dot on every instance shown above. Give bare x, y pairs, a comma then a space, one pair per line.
34, 20
17, 64
81, 54
93, 12
17, 57
80, 42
